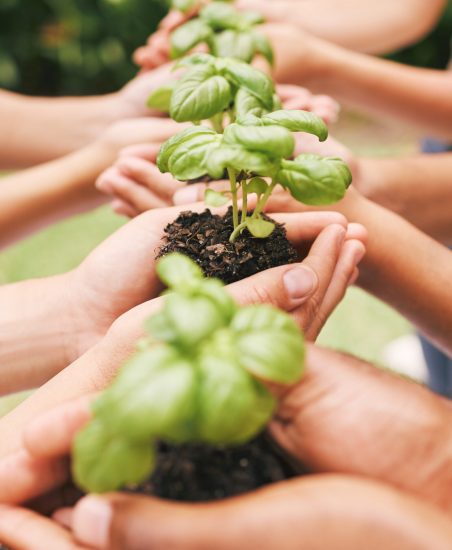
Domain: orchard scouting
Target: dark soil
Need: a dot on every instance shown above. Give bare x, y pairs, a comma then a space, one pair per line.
197, 473
204, 237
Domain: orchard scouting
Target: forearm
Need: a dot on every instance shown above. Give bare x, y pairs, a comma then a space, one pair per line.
36, 332
369, 27
406, 269
38, 196
419, 97
417, 188
36, 130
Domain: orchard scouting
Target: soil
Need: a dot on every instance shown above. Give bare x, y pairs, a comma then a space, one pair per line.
204, 237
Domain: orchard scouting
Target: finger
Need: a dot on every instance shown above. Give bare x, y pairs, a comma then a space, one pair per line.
147, 174
356, 231
23, 529
123, 208
146, 151
351, 254
138, 197
103, 182
307, 226
22, 477
51, 434
195, 192
148, 58
64, 516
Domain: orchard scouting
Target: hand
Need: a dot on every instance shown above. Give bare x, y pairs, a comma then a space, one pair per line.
296, 97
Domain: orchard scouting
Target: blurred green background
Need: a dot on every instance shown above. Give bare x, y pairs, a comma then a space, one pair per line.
54, 47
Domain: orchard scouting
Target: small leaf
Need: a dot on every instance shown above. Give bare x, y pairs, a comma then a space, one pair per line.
236, 44
174, 142
199, 95
195, 59
220, 16
239, 159
214, 198
175, 270
246, 103
183, 5
298, 121
315, 180
263, 46
161, 97
260, 228
257, 185
246, 76
275, 141
189, 35
103, 461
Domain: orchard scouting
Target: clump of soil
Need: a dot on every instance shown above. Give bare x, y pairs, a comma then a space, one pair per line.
197, 473
204, 237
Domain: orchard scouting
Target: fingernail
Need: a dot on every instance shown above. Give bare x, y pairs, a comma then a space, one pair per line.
91, 521
186, 195
359, 252
300, 282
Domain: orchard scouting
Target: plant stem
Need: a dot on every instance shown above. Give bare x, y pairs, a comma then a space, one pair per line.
237, 232
235, 207
262, 201
244, 201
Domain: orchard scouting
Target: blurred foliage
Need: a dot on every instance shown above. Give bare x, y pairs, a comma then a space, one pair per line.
56, 47
434, 50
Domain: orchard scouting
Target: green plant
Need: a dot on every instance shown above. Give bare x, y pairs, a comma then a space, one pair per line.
226, 31
253, 148
213, 88
196, 378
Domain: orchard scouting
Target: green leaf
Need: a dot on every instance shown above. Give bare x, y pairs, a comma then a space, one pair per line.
263, 46
174, 142
214, 198
175, 270
103, 461
195, 59
275, 141
246, 76
220, 16
188, 161
236, 44
269, 344
246, 103
239, 159
260, 228
199, 95
315, 180
161, 97
277, 104
257, 185
228, 399
298, 121
189, 35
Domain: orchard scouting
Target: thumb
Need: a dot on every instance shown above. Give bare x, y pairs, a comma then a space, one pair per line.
285, 287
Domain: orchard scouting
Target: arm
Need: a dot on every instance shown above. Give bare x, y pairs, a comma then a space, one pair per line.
420, 97
417, 188
36, 130
41, 195
369, 27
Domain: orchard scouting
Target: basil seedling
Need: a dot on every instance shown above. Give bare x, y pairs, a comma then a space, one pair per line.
197, 377
251, 149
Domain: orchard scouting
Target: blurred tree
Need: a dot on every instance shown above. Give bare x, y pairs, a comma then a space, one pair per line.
72, 47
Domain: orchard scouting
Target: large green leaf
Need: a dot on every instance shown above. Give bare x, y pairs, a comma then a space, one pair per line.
315, 180
174, 142
246, 76
176, 270
269, 344
188, 161
239, 159
103, 461
262, 45
189, 35
274, 140
298, 121
199, 95
236, 44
